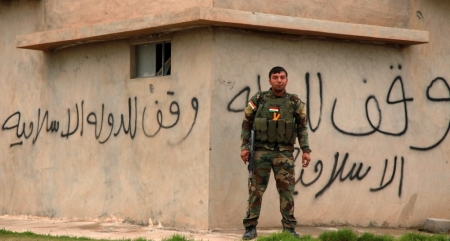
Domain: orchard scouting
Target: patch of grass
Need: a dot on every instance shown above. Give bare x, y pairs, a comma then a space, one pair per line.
6, 235
141, 239
284, 236
340, 235
424, 237
177, 237
373, 237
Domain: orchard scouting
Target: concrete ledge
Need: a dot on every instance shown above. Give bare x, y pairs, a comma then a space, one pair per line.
436, 225
203, 16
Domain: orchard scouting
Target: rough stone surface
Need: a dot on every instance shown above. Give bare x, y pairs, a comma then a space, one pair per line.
437, 225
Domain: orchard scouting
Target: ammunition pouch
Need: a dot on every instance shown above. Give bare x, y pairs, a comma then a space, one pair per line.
280, 131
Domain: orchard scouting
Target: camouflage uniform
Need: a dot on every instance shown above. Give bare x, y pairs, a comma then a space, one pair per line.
276, 156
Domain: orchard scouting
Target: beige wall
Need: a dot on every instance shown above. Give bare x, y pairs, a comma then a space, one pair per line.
190, 175
382, 12
350, 74
69, 13
130, 176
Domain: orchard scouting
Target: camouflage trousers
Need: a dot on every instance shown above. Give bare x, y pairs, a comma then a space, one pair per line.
282, 164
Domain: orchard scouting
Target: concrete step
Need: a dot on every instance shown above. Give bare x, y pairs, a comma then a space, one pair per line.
437, 225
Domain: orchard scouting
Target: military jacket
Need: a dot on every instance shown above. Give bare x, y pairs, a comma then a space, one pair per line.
286, 111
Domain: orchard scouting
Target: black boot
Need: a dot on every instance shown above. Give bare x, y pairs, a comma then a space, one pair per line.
291, 231
250, 233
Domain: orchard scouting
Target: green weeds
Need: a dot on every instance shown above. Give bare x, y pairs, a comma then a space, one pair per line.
278, 236
177, 237
350, 235
340, 235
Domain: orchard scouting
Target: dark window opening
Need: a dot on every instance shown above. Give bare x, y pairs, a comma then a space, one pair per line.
152, 59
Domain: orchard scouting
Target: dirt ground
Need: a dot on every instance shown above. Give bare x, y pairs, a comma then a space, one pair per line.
116, 229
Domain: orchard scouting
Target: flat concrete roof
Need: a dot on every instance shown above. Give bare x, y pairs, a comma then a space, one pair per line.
204, 16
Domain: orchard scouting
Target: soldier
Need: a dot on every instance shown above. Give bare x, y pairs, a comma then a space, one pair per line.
278, 118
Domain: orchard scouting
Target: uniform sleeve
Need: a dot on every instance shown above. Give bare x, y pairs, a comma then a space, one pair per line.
302, 129
247, 123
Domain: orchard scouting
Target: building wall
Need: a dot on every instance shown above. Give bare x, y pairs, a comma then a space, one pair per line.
383, 163
382, 12
124, 148
366, 127
412, 133
69, 13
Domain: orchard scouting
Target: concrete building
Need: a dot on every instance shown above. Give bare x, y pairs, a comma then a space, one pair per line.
132, 110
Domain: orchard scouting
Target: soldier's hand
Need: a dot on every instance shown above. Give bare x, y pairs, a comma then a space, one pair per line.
245, 154
306, 159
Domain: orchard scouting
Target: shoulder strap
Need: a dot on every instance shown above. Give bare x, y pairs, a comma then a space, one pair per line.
261, 98
260, 101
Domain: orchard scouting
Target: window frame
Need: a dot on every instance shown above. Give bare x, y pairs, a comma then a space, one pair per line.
165, 64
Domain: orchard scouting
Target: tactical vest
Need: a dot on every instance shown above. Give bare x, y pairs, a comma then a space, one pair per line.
268, 127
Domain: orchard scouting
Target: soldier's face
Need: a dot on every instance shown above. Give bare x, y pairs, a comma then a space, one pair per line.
278, 81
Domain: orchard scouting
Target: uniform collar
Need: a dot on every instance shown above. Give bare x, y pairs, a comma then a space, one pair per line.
284, 94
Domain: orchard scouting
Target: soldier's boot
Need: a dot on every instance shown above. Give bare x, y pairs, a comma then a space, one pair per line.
250, 233
291, 231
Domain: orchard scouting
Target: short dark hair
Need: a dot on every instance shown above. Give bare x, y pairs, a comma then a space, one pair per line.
276, 70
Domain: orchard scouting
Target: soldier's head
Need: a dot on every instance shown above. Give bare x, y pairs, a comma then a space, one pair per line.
278, 79
277, 70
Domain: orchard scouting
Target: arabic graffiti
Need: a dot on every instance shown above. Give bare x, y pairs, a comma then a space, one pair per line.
376, 128
105, 126
245, 90
435, 99
54, 126
308, 101
400, 185
373, 125
174, 110
358, 171
351, 174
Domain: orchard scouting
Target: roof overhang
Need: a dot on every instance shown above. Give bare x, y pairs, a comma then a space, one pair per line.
204, 16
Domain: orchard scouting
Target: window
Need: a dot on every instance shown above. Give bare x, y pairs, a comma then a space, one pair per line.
151, 59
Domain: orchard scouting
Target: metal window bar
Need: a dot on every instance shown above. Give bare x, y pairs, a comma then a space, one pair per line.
165, 65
